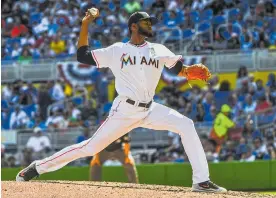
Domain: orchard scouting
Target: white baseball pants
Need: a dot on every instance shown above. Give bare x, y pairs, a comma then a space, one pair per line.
124, 117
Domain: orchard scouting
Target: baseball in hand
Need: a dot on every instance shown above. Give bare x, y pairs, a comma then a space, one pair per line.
94, 12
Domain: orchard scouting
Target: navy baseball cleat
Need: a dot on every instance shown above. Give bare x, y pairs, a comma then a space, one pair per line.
27, 173
208, 186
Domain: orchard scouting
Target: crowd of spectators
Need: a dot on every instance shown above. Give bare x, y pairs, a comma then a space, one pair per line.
47, 28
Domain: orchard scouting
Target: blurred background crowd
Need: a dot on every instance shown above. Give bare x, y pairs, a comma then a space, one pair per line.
48, 28
35, 30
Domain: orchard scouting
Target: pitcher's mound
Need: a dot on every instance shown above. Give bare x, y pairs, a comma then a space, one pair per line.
76, 189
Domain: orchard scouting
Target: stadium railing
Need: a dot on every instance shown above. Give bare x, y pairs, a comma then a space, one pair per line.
217, 61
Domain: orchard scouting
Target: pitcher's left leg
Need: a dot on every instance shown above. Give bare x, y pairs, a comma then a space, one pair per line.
163, 118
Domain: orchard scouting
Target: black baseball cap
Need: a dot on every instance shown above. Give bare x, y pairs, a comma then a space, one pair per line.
138, 16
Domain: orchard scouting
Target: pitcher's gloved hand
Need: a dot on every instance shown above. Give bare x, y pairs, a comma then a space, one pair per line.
197, 72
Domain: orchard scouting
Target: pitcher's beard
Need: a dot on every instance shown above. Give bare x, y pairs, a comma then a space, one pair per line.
145, 32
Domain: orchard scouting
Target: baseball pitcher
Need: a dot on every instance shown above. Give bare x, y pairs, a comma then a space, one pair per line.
137, 66
120, 150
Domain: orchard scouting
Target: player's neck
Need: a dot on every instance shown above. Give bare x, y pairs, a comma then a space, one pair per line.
137, 40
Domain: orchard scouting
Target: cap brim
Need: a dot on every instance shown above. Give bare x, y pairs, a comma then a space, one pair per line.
153, 20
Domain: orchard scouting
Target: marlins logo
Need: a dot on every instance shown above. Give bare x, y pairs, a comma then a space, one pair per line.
125, 59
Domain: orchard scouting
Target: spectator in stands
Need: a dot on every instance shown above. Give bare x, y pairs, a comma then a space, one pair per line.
227, 152
200, 113
19, 119
25, 58
86, 133
260, 150
262, 105
212, 115
57, 91
260, 90
246, 155
44, 100
249, 132
58, 120
208, 101
210, 151
271, 89
159, 5
188, 111
58, 45
224, 86
39, 144
221, 126
7, 92
271, 146
250, 105
195, 94
273, 46
132, 6
16, 51
242, 76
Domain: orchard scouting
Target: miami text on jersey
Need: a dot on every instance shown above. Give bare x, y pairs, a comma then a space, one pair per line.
127, 60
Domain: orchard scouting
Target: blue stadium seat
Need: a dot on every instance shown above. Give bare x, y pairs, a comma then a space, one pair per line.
107, 107
259, 24
125, 40
77, 100
96, 44
29, 109
99, 22
165, 17
188, 33
217, 20
226, 35
195, 17
175, 35
4, 104
111, 6
35, 17
180, 17
256, 36
206, 15
274, 3
203, 27
236, 29
233, 12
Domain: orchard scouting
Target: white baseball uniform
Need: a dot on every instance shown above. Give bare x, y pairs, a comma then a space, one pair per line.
137, 70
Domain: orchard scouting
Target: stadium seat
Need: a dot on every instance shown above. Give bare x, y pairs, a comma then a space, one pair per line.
233, 12
111, 6
107, 107
195, 17
180, 18
125, 40
203, 27
96, 44
226, 35
175, 35
77, 100
188, 33
255, 35
217, 20
206, 15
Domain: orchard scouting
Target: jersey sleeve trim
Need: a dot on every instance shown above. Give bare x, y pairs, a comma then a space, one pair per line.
97, 63
175, 62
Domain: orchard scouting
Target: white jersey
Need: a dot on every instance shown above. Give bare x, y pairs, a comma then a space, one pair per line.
137, 69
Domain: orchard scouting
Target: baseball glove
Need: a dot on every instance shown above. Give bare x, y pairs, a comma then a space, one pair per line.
197, 72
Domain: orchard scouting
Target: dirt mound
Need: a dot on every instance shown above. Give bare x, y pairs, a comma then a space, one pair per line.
60, 189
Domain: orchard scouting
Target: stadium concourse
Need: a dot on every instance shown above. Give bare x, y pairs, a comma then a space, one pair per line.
37, 32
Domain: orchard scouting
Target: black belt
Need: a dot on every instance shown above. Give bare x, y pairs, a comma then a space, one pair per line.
145, 105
